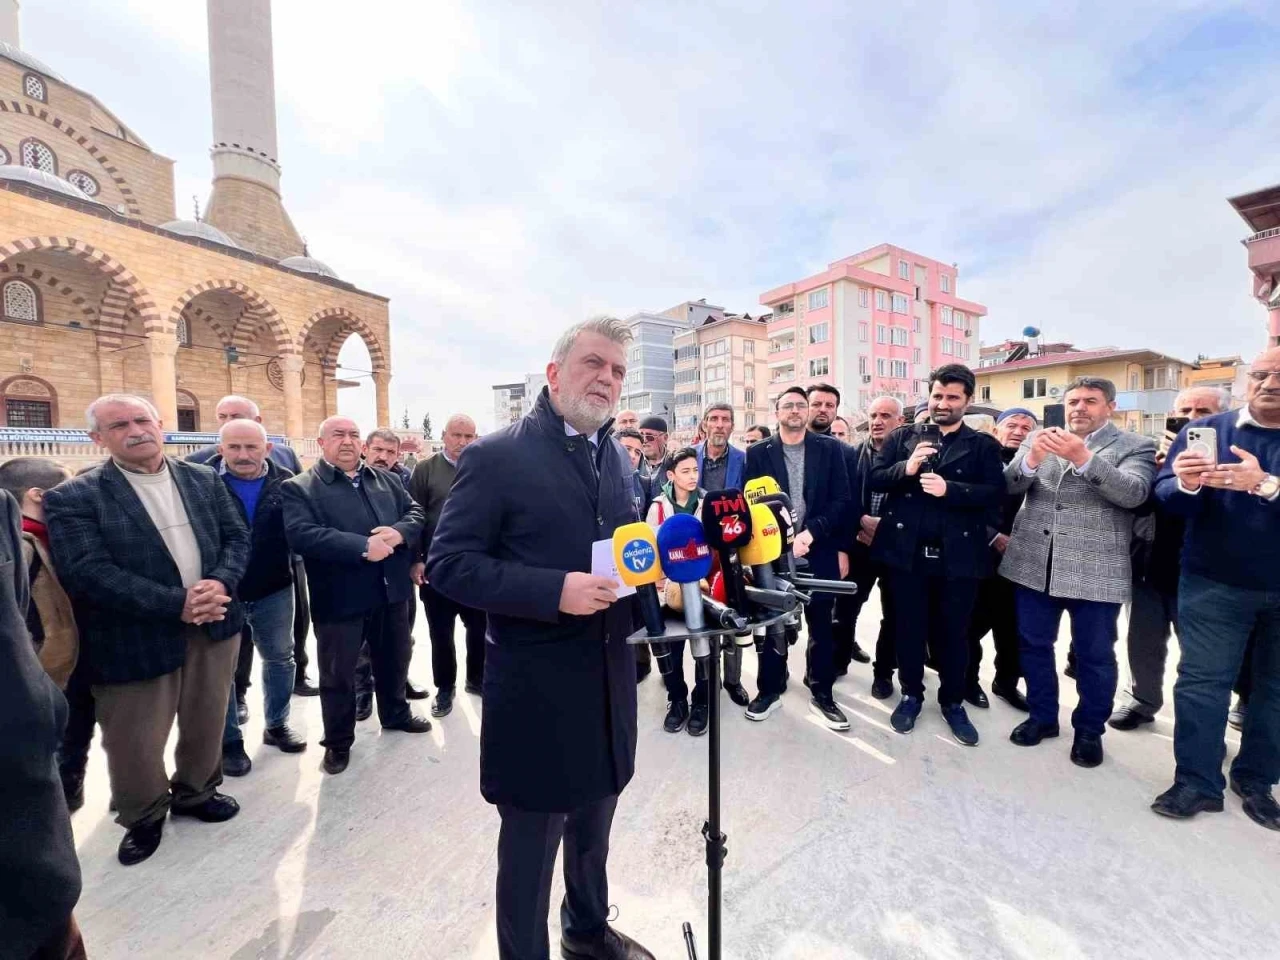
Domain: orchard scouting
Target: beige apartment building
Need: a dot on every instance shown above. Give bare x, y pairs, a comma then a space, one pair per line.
723, 359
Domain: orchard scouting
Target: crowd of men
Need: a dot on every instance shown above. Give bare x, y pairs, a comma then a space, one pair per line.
143, 585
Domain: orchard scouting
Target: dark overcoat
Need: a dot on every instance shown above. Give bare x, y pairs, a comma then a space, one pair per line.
559, 727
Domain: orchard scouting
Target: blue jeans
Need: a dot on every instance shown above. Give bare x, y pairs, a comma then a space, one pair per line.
1093, 637
272, 621
1214, 624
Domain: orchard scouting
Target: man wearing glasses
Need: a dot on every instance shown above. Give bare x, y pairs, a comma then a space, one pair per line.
810, 468
1230, 587
653, 440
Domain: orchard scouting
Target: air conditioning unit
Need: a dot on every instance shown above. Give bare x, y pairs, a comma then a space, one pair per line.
1055, 391
866, 378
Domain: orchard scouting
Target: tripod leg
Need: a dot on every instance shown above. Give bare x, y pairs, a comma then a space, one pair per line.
689, 943
715, 839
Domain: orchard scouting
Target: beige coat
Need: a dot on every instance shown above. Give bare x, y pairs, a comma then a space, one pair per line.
61, 648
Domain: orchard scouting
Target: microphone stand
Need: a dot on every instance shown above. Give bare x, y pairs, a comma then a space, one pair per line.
715, 841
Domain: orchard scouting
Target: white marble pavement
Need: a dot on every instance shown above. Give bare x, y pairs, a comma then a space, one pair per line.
859, 845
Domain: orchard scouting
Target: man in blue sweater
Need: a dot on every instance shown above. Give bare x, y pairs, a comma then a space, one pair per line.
1230, 587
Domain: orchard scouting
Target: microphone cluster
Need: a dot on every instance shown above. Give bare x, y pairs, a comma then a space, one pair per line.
748, 531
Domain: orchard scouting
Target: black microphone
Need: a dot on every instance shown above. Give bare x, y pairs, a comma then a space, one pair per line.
726, 520
724, 616
781, 600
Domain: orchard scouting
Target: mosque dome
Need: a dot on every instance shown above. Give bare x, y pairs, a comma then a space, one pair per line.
13, 53
200, 230
307, 264
41, 179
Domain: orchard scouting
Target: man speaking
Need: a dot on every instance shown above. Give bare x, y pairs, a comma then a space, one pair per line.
558, 740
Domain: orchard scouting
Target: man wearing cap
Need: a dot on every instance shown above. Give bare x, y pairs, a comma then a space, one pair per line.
996, 610
653, 439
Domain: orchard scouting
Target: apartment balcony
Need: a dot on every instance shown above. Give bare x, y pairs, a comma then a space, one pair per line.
1151, 402
1264, 250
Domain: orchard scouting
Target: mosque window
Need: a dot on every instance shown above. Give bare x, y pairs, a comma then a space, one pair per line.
21, 303
36, 154
86, 183
184, 332
33, 86
4, 156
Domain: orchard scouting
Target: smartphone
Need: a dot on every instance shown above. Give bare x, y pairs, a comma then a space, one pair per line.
1172, 427
931, 434
1055, 415
1204, 441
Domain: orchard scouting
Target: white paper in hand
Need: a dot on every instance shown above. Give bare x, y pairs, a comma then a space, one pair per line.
602, 565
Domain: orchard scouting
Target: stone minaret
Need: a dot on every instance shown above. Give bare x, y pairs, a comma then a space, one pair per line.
9, 23
246, 172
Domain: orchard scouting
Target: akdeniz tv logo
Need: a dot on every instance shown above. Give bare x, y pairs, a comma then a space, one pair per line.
639, 556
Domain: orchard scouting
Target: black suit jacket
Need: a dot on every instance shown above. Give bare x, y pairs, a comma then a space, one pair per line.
39, 872
559, 725
328, 522
826, 493
974, 471
123, 583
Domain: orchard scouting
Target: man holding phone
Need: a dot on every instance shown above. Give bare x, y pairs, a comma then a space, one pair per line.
943, 481
1157, 549
1229, 588
1069, 551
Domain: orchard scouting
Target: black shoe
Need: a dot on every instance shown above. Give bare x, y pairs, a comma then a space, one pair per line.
140, 841
1181, 802
609, 944
474, 688
860, 655
335, 760
413, 724
904, 715
217, 809
235, 762
882, 688
832, 716
414, 692
303, 688
73, 790
961, 728
1086, 749
1010, 695
284, 738
444, 703
242, 711
677, 716
1127, 718
364, 706
1259, 805
762, 706
1028, 733
738, 694
698, 720
976, 696
1070, 671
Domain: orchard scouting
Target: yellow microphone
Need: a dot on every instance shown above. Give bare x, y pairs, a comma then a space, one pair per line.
759, 487
765, 545
635, 554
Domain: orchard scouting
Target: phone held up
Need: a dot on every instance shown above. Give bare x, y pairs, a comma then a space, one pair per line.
931, 434
1203, 441
1172, 427
1055, 415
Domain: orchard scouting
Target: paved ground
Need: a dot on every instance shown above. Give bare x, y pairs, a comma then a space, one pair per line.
859, 845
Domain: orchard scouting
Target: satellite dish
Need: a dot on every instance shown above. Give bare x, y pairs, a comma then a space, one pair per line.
1031, 331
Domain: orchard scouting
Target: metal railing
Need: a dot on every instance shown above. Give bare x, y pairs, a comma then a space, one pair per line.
75, 450
1263, 235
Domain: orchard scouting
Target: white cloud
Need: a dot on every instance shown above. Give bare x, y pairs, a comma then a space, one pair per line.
501, 170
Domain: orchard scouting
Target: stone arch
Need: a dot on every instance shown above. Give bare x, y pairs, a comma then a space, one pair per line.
37, 276
347, 323
259, 313
128, 290
108, 168
24, 386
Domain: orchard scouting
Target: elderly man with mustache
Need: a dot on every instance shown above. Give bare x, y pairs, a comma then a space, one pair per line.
151, 551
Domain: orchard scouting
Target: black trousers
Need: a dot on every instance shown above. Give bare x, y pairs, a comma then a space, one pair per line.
527, 845
864, 574
819, 662
338, 647
996, 613
932, 612
442, 613
301, 621
364, 664
73, 752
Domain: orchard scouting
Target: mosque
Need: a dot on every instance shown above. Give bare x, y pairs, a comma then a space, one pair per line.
104, 289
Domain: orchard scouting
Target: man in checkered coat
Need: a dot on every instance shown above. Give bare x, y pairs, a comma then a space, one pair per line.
1069, 551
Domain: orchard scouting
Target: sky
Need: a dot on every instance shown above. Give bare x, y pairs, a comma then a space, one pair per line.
503, 170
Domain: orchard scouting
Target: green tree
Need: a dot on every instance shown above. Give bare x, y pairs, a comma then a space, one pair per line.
404, 423
426, 427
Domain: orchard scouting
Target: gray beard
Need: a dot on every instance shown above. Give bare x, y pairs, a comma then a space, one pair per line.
578, 414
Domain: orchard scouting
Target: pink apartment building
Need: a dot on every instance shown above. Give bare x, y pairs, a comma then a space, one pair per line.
1261, 211
872, 324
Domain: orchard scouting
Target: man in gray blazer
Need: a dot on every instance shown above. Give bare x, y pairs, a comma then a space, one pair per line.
1069, 551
